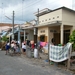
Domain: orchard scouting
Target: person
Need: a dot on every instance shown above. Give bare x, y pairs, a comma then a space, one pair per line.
53, 41
27, 42
24, 47
7, 47
32, 45
12, 46
16, 47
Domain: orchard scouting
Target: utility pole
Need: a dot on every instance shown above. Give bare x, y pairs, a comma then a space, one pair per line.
13, 26
35, 29
38, 17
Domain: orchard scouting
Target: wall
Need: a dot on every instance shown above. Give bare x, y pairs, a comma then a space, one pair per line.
30, 35
43, 31
68, 17
52, 16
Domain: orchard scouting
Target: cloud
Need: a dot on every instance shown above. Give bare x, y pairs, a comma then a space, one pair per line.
24, 9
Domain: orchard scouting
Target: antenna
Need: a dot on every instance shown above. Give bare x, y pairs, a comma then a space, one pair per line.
22, 9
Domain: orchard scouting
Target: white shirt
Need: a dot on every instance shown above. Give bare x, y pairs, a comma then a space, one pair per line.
12, 45
8, 44
24, 46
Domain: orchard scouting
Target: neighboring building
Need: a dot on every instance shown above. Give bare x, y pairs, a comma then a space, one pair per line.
28, 28
5, 26
6, 29
58, 24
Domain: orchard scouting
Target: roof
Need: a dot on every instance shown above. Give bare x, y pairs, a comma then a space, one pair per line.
64, 8
42, 13
6, 24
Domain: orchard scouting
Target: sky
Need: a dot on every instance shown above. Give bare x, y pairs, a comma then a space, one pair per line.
24, 9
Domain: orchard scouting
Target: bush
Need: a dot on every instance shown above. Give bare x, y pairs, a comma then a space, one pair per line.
72, 39
4, 38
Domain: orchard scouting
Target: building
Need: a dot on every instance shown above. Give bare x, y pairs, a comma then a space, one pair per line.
28, 28
58, 24
6, 29
5, 26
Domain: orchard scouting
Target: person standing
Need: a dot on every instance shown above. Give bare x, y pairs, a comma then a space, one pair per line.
7, 47
24, 48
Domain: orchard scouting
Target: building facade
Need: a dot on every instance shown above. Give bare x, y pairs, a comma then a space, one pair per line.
58, 24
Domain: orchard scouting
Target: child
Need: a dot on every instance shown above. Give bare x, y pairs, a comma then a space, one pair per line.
7, 47
24, 48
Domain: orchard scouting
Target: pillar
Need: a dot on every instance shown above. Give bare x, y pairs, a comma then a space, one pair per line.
61, 33
19, 35
35, 35
24, 35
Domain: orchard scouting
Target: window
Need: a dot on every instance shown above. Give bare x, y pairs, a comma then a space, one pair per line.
57, 16
49, 19
46, 20
42, 38
53, 17
42, 20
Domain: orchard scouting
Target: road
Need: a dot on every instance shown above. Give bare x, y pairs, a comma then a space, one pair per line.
17, 65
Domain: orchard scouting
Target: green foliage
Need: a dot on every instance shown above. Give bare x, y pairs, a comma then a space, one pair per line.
72, 39
4, 38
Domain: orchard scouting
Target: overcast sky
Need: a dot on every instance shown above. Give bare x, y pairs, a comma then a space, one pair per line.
24, 9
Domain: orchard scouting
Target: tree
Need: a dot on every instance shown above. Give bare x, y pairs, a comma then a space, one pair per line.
4, 38
72, 39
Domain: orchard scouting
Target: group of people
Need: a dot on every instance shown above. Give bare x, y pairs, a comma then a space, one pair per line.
14, 46
28, 43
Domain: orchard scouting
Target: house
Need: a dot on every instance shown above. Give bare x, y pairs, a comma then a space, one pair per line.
6, 29
58, 24
28, 28
5, 26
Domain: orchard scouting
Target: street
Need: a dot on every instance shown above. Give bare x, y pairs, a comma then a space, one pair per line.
17, 65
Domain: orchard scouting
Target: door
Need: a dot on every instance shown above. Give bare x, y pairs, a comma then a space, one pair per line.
57, 38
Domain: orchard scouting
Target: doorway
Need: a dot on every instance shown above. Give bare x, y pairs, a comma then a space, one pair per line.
42, 38
66, 36
57, 38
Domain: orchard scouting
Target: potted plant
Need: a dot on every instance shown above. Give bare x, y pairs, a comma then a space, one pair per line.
72, 39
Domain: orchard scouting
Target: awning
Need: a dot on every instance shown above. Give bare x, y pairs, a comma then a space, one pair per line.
9, 34
3, 34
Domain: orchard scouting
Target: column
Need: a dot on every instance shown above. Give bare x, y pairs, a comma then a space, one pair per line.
35, 35
24, 35
61, 33
19, 34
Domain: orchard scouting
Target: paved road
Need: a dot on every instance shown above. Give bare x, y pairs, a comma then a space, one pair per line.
19, 66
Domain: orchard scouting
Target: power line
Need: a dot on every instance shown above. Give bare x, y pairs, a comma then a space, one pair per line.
33, 3
22, 9
36, 3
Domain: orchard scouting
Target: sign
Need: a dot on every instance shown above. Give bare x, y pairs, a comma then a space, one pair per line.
35, 31
42, 31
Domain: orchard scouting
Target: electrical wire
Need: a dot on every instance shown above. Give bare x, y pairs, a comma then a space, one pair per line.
33, 3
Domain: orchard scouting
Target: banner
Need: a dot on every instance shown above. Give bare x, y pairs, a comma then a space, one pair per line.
59, 53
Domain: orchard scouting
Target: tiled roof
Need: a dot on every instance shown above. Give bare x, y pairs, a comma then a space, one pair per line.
6, 24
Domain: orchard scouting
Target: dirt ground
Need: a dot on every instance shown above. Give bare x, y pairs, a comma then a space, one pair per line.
43, 61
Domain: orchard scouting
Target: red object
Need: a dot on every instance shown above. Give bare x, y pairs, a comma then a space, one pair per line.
32, 46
